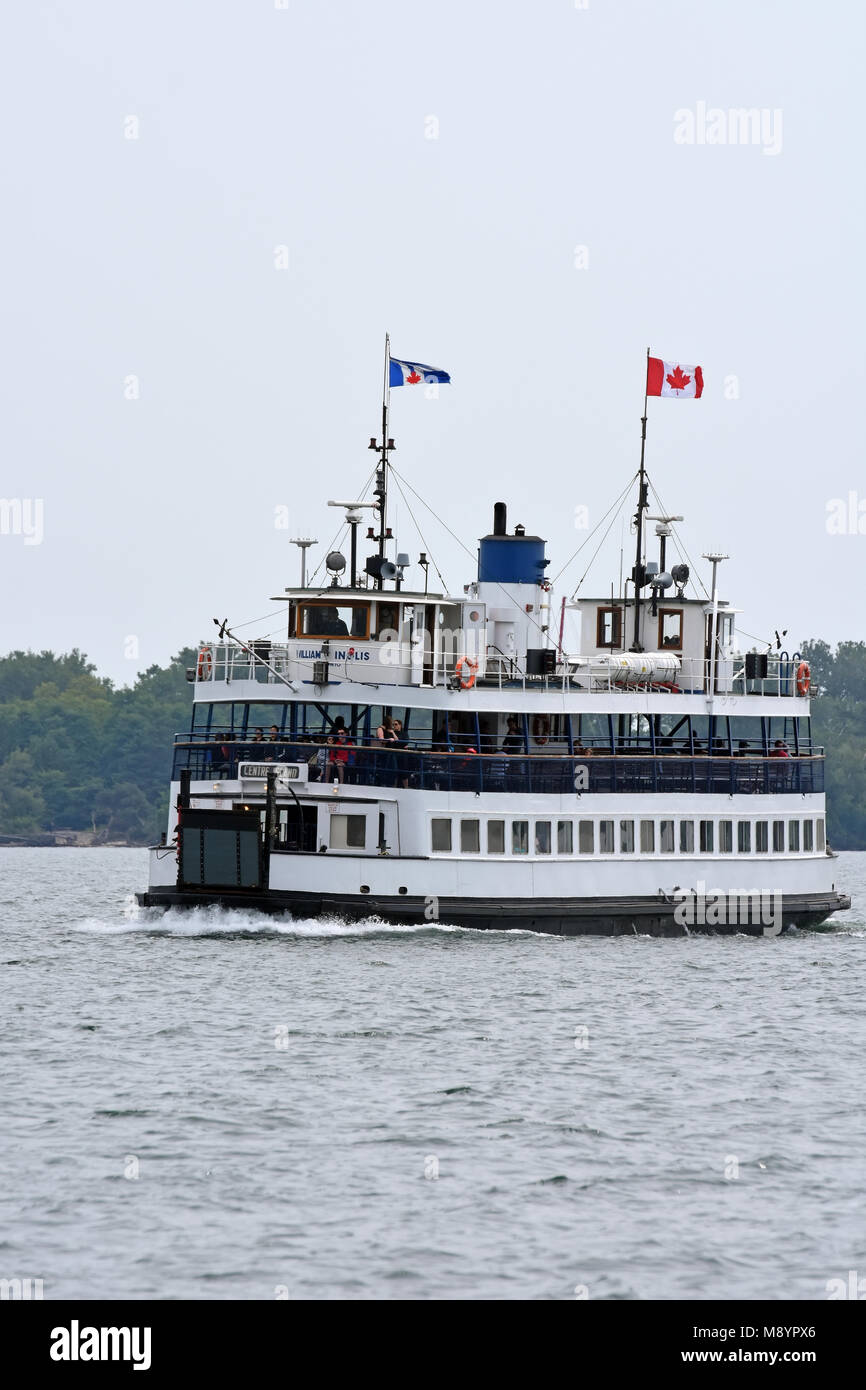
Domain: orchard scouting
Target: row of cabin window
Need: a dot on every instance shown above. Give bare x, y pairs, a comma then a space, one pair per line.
712, 836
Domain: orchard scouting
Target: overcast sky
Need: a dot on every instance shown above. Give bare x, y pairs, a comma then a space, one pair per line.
434, 170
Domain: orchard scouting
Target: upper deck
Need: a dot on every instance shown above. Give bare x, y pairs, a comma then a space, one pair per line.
503, 636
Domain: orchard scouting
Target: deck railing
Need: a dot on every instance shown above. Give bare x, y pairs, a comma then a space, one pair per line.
276, 664
520, 773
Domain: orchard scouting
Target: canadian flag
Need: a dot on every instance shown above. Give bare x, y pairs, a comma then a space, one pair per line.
673, 379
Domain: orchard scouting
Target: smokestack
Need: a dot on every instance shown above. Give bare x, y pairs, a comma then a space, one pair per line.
499, 519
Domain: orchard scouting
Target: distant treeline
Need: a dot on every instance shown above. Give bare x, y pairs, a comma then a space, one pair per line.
78, 754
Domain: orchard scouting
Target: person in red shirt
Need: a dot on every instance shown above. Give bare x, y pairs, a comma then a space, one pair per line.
339, 755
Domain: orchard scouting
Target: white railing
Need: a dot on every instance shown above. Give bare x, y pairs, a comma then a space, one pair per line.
272, 663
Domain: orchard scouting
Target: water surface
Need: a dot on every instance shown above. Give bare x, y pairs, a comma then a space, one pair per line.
224, 1105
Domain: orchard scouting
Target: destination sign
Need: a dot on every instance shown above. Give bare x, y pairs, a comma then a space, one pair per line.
258, 772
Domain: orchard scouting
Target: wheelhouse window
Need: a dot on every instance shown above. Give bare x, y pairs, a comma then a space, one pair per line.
605, 837
542, 837
609, 627
626, 836
386, 622
706, 840
564, 837
744, 837
794, 836
687, 837
666, 836
585, 837
670, 629
778, 837
808, 837
647, 837
726, 837
819, 834
520, 837
762, 839
323, 619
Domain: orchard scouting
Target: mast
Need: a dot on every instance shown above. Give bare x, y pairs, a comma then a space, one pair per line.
387, 444
642, 504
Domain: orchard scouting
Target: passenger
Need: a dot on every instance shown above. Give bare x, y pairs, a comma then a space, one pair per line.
323, 758
386, 757
275, 733
779, 749
513, 741
225, 755
259, 736
468, 769
401, 757
339, 755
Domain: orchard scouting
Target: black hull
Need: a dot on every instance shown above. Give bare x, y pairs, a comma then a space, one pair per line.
577, 917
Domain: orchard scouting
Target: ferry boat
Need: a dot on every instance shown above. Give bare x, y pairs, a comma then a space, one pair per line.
411, 756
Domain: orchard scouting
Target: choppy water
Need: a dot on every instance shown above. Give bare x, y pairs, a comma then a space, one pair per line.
208, 1105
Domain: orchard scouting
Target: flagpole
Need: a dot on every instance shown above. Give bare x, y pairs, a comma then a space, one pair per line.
383, 496
642, 504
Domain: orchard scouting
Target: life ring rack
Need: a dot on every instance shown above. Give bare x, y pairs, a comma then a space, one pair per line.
466, 670
804, 678
204, 664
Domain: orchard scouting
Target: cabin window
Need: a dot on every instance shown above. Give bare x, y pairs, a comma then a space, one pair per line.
666, 837
609, 627
470, 837
670, 629
744, 837
496, 837
626, 836
819, 842
605, 837
348, 832
778, 837
441, 830
564, 837
762, 839
808, 837
520, 837
647, 837
334, 620
542, 837
585, 837
726, 837
794, 836
706, 837
687, 837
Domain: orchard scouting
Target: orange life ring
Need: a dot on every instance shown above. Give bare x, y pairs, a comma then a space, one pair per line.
204, 665
466, 684
804, 678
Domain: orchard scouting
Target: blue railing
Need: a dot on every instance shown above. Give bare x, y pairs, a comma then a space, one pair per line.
519, 773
